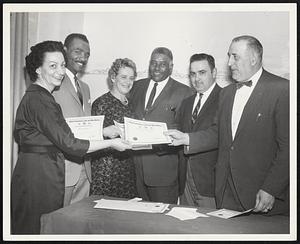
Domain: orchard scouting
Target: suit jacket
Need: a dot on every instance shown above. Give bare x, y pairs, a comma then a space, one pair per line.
258, 156
160, 165
202, 164
67, 98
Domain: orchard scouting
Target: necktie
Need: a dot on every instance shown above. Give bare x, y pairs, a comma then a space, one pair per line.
79, 93
196, 110
151, 97
246, 83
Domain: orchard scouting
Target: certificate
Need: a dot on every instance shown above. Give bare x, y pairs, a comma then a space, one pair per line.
134, 147
141, 132
89, 127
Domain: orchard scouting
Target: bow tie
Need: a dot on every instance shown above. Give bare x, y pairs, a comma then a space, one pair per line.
246, 83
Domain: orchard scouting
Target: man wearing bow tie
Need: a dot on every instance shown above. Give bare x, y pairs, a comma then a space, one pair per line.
251, 132
74, 98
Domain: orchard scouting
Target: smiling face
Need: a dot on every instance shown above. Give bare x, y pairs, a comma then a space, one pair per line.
52, 71
242, 61
202, 77
123, 81
78, 53
160, 67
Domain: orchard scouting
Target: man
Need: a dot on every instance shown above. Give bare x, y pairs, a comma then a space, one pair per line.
197, 113
74, 98
252, 133
158, 98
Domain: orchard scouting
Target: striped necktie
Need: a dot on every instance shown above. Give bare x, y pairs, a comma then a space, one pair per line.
196, 110
79, 92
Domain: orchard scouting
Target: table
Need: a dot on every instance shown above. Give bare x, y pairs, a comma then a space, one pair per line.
82, 218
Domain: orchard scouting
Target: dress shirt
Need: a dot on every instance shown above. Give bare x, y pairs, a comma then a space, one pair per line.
204, 97
159, 88
241, 97
71, 77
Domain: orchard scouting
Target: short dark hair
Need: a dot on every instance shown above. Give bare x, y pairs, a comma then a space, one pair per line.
73, 36
36, 57
163, 50
252, 43
203, 56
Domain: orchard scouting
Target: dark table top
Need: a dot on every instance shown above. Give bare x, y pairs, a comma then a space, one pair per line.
83, 218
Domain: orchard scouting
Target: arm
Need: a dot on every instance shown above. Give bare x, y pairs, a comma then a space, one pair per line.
199, 141
53, 125
277, 179
117, 144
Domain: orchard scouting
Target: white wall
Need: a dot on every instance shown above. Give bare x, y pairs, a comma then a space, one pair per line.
135, 34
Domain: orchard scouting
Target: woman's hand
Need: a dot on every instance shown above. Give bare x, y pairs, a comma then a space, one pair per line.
112, 131
120, 144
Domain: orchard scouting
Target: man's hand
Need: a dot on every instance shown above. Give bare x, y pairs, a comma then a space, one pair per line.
264, 202
112, 131
178, 137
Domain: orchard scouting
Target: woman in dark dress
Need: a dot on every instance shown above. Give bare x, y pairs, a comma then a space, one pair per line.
43, 135
113, 173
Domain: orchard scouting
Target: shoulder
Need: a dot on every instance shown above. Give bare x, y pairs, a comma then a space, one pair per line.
275, 79
140, 83
101, 99
275, 85
180, 86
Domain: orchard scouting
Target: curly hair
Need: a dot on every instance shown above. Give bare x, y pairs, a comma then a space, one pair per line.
117, 65
35, 58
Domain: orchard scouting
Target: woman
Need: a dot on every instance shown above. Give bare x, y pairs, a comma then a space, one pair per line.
113, 173
42, 133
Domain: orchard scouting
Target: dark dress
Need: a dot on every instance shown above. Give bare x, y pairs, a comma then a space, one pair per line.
113, 172
37, 185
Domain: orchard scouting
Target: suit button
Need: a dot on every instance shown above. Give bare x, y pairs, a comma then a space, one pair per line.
232, 148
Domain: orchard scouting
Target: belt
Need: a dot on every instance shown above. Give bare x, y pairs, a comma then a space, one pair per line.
38, 149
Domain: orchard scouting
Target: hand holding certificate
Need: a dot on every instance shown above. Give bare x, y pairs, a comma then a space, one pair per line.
141, 132
88, 128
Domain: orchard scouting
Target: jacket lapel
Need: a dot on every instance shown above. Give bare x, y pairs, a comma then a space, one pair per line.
188, 113
207, 103
71, 88
141, 99
166, 92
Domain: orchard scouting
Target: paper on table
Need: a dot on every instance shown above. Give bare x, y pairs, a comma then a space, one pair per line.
185, 213
227, 213
88, 127
148, 207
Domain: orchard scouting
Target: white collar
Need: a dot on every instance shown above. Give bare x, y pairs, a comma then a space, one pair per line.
70, 75
208, 91
160, 83
256, 77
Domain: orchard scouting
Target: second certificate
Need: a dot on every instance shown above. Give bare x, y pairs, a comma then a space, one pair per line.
145, 132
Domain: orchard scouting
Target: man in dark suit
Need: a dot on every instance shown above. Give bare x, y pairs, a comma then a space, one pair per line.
158, 98
252, 133
197, 113
74, 98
